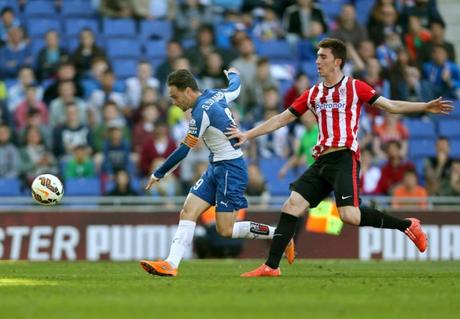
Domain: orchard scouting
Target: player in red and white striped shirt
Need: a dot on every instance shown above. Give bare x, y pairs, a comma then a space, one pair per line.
336, 102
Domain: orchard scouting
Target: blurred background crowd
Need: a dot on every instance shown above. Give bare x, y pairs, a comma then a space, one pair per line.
83, 95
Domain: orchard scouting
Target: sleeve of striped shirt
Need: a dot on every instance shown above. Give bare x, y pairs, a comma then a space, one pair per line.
197, 125
365, 92
234, 87
300, 105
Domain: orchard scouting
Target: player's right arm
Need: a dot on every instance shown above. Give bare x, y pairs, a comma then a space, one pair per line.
297, 108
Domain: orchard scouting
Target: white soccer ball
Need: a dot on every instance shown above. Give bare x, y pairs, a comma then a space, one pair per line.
47, 189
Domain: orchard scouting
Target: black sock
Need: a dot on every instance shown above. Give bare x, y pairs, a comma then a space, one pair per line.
283, 234
375, 218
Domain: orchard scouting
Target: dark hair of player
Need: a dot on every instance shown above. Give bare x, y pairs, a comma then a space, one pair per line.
182, 79
338, 49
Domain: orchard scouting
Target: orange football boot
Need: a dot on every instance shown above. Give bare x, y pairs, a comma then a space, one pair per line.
158, 268
416, 234
263, 271
290, 252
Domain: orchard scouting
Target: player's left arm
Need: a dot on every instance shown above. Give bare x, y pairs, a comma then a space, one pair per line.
368, 95
197, 126
234, 84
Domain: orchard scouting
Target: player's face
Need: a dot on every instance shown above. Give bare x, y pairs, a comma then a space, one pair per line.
180, 98
325, 62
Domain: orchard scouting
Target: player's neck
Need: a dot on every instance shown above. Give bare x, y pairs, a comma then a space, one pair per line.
333, 78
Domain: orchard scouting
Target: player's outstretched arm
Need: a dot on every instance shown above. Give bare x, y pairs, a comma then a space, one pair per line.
234, 84
436, 106
268, 126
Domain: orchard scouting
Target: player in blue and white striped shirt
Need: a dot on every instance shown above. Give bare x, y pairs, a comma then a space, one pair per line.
224, 182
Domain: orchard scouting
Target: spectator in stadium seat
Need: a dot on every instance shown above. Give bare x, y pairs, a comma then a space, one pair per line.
5, 114
393, 170
66, 97
256, 184
9, 155
80, 164
397, 72
438, 168
422, 10
35, 119
391, 129
369, 173
382, 21
438, 30
263, 80
66, 71
269, 27
451, 186
71, 133
301, 83
159, 145
273, 144
191, 14
86, 52
387, 52
348, 29
143, 129
17, 93
416, 37
373, 77
168, 185
189, 172
138, 9
50, 56
8, 21
35, 158
122, 185
358, 57
414, 88
246, 63
15, 54
110, 113
409, 188
297, 18
116, 150
30, 102
306, 141
106, 93
173, 51
443, 75
205, 45
137, 84
212, 75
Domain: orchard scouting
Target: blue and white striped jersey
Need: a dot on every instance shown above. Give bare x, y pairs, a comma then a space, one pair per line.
211, 118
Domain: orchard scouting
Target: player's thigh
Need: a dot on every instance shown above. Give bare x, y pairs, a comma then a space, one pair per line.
231, 182
194, 206
311, 187
346, 180
205, 187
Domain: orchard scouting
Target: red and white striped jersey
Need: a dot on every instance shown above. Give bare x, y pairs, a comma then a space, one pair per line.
337, 110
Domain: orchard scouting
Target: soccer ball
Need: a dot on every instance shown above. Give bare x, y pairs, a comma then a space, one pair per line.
47, 189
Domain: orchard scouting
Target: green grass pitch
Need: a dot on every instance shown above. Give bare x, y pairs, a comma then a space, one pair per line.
213, 289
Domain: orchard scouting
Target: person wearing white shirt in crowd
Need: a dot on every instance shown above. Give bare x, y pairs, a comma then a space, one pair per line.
136, 85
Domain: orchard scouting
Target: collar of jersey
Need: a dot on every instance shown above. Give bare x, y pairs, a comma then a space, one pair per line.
330, 87
198, 99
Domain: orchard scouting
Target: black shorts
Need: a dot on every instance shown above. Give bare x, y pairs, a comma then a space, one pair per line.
336, 171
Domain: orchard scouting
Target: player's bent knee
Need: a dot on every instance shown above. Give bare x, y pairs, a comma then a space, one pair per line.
187, 214
295, 205
350, 215
225, 230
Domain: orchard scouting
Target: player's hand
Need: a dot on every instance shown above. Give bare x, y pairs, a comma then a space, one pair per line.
439, 106
151, 182
232, 69
234, 132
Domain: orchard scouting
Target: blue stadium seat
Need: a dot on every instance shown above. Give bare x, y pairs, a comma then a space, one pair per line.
332, 8
40, 9
228, 4
456, 112
74, 26
161, 29
307, 52
454, 148
449, 128
77, 9
274, 49
10, 187
119, 28
123, 48
363, 10
136, 185
38, 27
156, 49
420, 128
36, 45
422, 148
124, 68
83, 187
8, 3
270, 168
310, 69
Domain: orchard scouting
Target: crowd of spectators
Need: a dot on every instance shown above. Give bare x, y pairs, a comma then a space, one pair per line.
66, 112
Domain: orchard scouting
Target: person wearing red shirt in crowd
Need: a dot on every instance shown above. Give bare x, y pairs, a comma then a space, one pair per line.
393, 171
301, 83
336, 103
392, 129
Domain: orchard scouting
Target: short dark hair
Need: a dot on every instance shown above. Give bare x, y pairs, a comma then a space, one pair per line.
338, 48
182, 79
